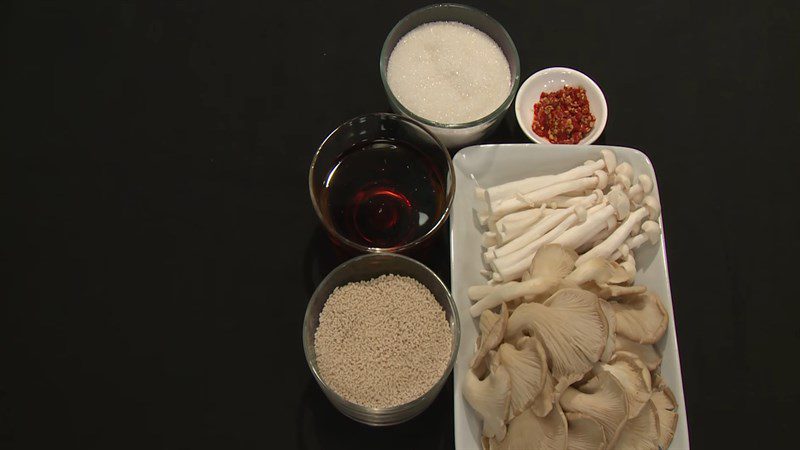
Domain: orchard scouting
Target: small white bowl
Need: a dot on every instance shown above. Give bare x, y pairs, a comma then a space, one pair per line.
553, 79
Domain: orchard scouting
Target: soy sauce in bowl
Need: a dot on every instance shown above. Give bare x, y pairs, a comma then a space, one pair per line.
381, 182
383, 193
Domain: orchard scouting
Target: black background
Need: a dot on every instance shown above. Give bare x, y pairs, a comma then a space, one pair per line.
160, 244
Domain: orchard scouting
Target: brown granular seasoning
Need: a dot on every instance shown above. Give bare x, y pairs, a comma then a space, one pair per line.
382, 342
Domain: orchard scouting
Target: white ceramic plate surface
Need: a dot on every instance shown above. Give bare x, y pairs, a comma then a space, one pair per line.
489, 165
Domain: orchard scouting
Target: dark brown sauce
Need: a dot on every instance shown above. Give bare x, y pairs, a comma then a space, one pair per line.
383, 194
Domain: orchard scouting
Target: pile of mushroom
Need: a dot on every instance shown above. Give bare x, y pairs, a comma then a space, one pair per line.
598, 209
565, 359
565, 355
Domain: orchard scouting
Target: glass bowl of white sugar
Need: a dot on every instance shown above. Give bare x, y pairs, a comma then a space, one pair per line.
380, 335
452, 68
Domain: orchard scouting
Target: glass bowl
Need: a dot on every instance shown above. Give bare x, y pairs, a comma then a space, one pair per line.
380, 127
455, 135
363, 268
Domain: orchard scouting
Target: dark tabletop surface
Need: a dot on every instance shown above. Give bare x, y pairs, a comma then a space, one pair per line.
160, 244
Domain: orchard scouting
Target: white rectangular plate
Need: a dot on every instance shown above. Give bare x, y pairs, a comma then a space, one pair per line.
489, 165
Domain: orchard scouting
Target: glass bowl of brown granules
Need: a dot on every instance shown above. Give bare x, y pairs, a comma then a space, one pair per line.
380, 336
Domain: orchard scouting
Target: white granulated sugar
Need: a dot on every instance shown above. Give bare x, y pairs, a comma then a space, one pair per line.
448, 72
382, 342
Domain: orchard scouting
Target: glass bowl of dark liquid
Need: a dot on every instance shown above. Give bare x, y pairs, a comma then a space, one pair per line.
381, 183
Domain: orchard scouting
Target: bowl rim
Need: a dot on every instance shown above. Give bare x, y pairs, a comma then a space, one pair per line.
515, 76
450, 185
600, 124
433, 390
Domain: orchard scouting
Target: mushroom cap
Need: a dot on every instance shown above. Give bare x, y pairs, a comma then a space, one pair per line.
602, 398
635, 193
641, 318
602, 179
624, 168
489, 398
598, 270
526, 365
528, 431
641, 432
646, 182
553, 261
622, 180
570, 326
645, 352
652, 230
612, 291
584, 432
667, 418
610, 159
629, 264
620, 202
653, 207
634, 377
608, 312
493, 328
666, 405
486, 321
543, 402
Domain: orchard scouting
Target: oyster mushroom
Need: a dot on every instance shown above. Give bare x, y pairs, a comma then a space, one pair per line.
489, 397
603, 399
641, 432
645, 352
665, 404
584, 432
641, 318
597, 270
492, 329
571, 327
634, 377
611, 320
527, 368
544, 402
528, 431
609, 291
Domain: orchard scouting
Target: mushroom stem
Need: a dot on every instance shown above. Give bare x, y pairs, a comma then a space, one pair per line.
519, 260
524, 216
598, 238
509, 291
651, 232
533, 233
596, 222
513, 225
508, 270
516, 203
508, 230
526, 185
617, 238
566, 200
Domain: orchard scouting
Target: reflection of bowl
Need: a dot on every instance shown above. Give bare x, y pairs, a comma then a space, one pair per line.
553, 79
454, 135
387, 128
363, 268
